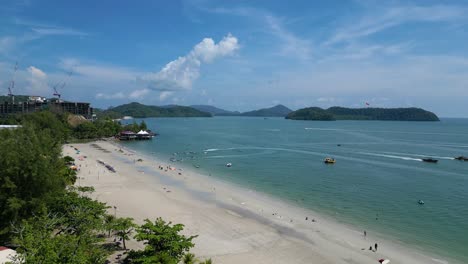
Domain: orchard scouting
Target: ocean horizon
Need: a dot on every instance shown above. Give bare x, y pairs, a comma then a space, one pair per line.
375, 185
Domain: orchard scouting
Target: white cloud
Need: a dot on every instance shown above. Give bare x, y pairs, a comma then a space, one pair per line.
47, 31
292, 44
118, 95
138, 94
164, 95
182, 72
98, 71
37, 81
380, 20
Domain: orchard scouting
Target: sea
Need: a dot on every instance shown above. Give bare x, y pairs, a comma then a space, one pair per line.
375, 184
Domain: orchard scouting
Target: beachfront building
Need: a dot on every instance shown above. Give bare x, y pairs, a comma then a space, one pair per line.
127, 135
143, 135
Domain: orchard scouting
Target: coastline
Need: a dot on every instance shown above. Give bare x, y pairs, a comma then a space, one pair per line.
234, 224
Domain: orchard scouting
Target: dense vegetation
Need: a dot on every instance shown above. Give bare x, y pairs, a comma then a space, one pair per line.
342, 113
140, 111
48, 220
278, 111
311, 113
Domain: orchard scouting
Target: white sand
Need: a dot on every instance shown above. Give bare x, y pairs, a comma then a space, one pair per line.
234, 224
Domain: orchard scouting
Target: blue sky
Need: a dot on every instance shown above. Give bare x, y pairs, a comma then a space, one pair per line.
241, 55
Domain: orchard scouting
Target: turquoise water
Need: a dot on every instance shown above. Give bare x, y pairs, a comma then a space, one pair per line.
375, 184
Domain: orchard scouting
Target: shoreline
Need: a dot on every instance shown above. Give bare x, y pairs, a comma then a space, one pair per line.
234, 224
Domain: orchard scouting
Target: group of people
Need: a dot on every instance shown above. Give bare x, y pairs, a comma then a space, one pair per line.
375, 245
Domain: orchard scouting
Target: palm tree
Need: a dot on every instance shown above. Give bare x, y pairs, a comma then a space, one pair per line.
124, 227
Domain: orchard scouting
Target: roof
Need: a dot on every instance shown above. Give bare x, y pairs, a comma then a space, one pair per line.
6, 254
143, 133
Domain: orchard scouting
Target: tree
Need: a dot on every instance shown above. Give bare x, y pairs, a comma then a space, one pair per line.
39, 242
124, 227
109, 223
164, 243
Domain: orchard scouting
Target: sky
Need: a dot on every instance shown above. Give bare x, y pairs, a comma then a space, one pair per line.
240, 55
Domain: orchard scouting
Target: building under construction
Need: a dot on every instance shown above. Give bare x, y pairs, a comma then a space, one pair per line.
14, 104
35, 104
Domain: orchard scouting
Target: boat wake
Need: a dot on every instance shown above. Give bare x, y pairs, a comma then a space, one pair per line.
421, 155
389, 156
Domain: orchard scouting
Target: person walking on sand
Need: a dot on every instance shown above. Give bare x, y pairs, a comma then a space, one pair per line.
365, 233
375, 246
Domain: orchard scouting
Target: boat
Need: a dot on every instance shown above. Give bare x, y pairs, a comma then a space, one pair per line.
431, 160
229, 165
329, 161
462, 158
421, 202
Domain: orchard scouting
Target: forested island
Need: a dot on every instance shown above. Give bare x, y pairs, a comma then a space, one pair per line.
343, 113
141, 111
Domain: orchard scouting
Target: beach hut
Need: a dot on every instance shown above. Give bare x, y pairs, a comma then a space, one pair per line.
127, 135
143, 135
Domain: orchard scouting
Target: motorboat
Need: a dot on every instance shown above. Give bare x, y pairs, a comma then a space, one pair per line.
329, 161
462, 158
421, 202
430, 160
229, 165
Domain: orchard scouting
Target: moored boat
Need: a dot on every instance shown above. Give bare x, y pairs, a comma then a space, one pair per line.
329, 161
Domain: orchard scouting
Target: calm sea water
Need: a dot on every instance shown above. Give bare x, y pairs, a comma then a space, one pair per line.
375, 184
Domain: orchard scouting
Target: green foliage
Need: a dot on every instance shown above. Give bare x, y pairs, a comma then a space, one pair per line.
342, 113
141, 111
311, 113
31, 171
135, 127
123, 228
97, 129
164, 243
397, 114
278, 110
42, 240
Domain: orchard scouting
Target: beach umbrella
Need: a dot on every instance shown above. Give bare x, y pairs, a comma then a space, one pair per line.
384, 261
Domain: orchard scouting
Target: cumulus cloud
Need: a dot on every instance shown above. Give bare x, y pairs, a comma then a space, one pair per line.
37, 81
180, 74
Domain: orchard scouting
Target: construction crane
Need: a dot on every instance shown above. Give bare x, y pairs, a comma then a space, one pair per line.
12, 84
60, 85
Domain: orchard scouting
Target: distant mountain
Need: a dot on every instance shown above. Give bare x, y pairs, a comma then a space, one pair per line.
343, 113
140, 111
215, 110
278, 110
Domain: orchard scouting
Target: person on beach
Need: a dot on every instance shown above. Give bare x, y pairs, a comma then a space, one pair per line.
365, 233
375, 246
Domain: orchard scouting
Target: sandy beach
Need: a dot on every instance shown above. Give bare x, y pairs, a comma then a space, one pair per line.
233, 224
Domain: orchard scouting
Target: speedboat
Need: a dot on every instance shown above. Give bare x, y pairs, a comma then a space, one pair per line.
431, 160
462, 158
329, 161
229, 165
421, 202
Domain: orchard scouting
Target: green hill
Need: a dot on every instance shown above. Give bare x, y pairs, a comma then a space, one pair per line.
278, 110
140, 111
311, 113
343, 113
